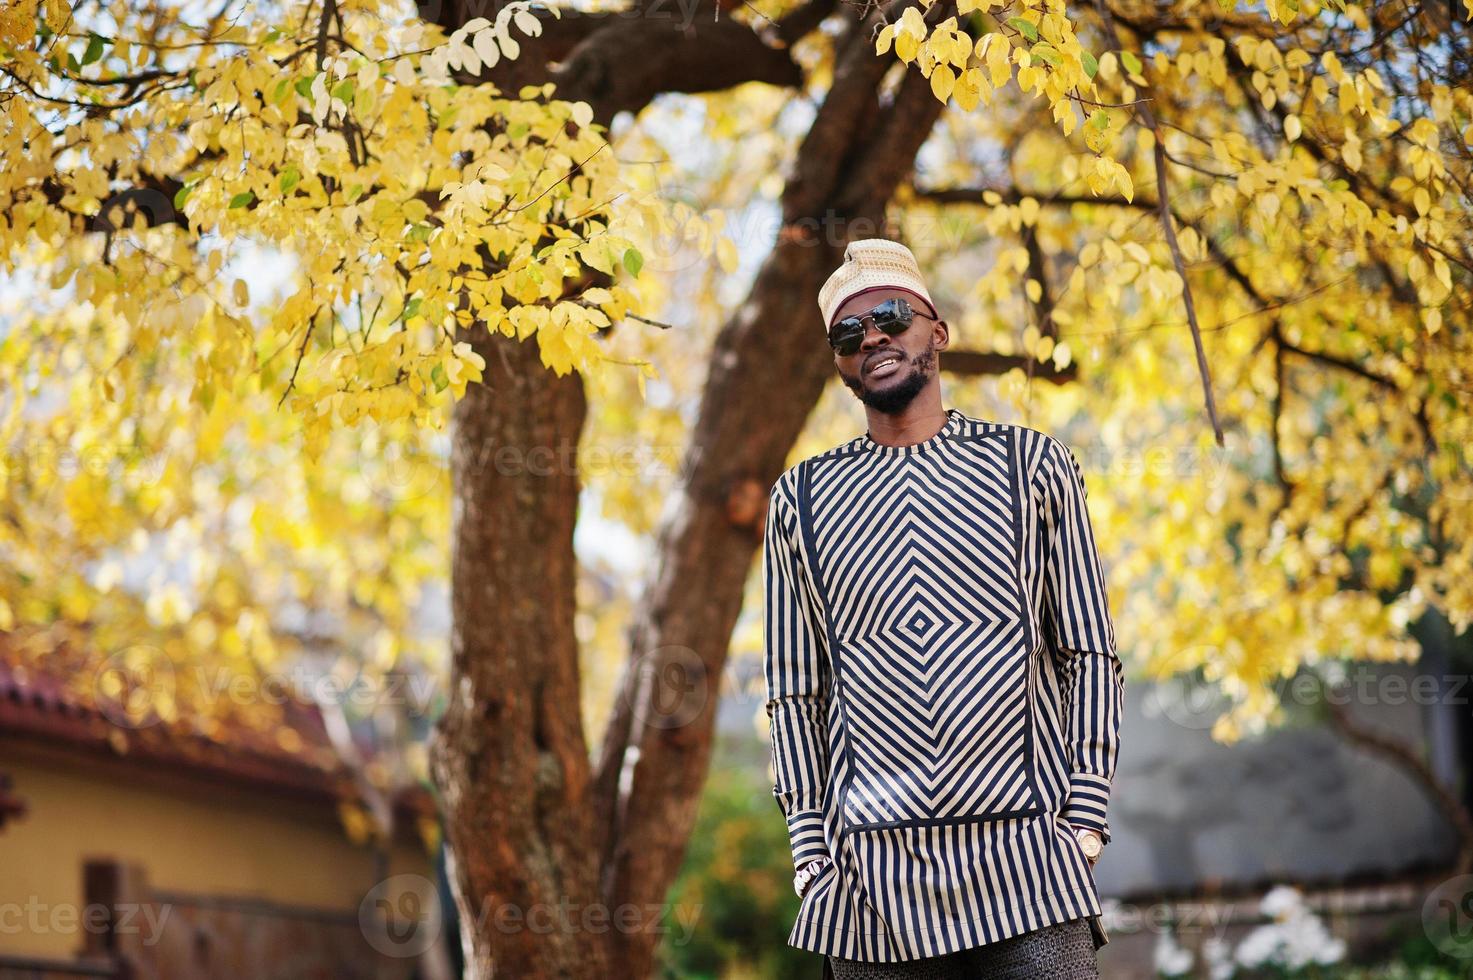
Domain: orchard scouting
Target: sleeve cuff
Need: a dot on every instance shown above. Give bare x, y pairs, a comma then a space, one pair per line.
1089, 795
805, 831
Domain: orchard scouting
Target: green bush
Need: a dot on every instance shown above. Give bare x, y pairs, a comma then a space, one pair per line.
737, 882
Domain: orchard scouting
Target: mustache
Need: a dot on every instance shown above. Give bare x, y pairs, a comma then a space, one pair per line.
888, 352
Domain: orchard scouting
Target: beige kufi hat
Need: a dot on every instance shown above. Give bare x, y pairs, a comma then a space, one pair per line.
871, 263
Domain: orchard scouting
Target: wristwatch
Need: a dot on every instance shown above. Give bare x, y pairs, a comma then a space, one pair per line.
1090, 841
807, 873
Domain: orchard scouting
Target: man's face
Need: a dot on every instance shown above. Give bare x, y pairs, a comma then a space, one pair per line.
887, 373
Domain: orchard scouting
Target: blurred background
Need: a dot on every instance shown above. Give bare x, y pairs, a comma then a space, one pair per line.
390, 394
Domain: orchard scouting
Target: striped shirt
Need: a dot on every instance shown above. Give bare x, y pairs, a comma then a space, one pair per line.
942, 686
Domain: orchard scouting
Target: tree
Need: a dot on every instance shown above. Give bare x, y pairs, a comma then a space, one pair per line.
1285, 190
147, 163
286, 453
1304, 565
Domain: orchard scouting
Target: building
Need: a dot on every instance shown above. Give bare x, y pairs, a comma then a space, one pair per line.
188, 849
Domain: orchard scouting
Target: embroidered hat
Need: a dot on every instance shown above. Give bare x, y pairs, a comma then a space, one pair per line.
869, 264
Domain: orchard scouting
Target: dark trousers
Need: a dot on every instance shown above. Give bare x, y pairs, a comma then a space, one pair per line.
1065, 951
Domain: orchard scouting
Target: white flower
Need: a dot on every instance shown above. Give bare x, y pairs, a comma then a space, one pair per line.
1257, 946
1281, 902
1295, 939
1218, 957
1171, 959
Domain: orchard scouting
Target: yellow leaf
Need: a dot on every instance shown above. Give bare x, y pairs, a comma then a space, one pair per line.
882, 42
726, 255
1123, 181
596, 254
1097, 182
1063, 356
961, 51
968, 89
1442, 271
906, 46
1064, 114
998, 62
942, 82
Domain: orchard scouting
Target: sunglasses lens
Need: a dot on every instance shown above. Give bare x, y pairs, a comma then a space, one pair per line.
892, 316
846, 335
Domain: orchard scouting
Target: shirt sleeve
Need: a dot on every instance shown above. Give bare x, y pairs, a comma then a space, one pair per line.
1083, 642
798, 679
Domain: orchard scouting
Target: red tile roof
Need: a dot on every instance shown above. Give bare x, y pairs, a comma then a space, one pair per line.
45, 698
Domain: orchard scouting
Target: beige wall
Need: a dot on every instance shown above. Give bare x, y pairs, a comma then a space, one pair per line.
186, 835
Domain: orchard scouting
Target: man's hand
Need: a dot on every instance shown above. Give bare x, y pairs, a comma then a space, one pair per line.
807, 873
1091, 843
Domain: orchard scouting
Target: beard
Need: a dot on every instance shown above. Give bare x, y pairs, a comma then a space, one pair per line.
894, 398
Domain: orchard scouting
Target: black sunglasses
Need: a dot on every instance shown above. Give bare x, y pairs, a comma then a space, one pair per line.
893, 316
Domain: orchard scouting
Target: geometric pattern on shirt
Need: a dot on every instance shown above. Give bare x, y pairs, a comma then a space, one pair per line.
933, 646
938, 728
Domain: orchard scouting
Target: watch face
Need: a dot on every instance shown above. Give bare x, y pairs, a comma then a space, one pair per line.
1091, 845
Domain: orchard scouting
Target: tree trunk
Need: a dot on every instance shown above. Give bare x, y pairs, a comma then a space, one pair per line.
511, 757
